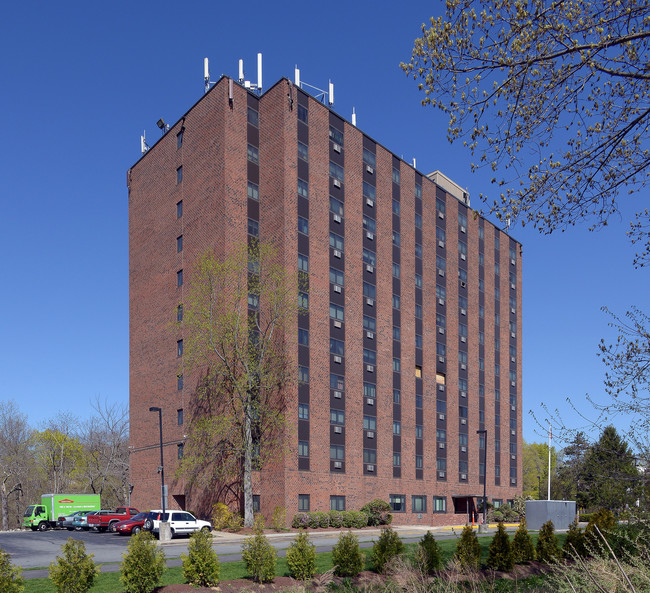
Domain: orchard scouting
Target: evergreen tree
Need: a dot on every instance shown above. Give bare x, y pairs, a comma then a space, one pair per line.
428, 554
574, 543
547, 549
523, 549
468, 550
500, 555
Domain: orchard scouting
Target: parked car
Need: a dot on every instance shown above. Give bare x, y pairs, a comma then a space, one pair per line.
81, 521
66, 522
181, 522
132, 525
105, 520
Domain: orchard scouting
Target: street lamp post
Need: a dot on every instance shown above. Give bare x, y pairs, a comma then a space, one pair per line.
162, 466
484, 432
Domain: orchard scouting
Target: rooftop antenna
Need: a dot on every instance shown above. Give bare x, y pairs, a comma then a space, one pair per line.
320, 93
206, 75
241, 70
259, 72
296, 76
330, 98
143, 142
247, 83
354, 117
414, 166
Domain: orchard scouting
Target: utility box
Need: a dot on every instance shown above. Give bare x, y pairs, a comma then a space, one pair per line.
561, 512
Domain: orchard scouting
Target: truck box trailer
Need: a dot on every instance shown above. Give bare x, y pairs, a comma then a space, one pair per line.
44, 515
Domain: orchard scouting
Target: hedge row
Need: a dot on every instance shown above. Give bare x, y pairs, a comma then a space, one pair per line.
336, 519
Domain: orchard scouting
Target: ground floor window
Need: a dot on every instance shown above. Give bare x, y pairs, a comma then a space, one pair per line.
398, 503
256, 503
439, 504
337, 503
419, 504
303, 502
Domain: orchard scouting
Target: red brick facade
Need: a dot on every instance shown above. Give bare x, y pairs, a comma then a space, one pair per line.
403, 419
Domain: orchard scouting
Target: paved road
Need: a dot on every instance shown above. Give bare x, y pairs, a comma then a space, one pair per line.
32, 550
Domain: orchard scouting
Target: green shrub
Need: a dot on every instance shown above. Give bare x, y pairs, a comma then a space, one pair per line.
378, 512
500, 555
523, 549
547, 549
358, 519
428, 554
336, 519
300, 521
143, 564
319, 519
346, 556
387, 547
606, 523
223, 518
279, 519
75, 571
259, 556
574, 542
468, 550
630, 537
10, 579
201, 564
301, 558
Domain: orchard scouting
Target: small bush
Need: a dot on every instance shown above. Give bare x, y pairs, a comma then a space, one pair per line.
630, 537
523, 549
574, 543
223, 518
11, 580
358, 519
143, 564
346, 556
279, 519
387, 547
468, 550
259, 555
75, 571
201, 565
606, 523
336, 519
378, 512
300, 521
428, 554
301, 558
319, 519
547, 549
500, 555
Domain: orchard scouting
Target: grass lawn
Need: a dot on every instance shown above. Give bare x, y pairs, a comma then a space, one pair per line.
109, 582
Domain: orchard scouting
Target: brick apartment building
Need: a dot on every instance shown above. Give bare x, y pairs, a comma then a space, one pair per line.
413, 339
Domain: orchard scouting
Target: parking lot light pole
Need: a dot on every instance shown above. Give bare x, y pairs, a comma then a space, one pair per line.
162, 466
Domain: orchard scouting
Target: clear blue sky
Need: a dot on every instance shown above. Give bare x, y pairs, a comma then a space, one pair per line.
80, 82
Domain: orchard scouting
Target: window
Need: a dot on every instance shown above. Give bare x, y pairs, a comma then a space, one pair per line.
179, 417
179, 138
369, 158
497, 243
441, 320
481, 233
481, 284
418, 280
397, 427
303, 449
462, 330
462, 357
418, 341
303, 263
303, 503
303, 336
441, 464
337, 417
337, 312
179, 244
303, 411
462, 440
179, 209
418, 311
303, 374
418, 191
179, 313
254, 117
396, 270
481, 259
397, 503
497, 395
179, 450
179, 278
439, 504
440, 206
496, 269
369, 290
513, 448
337, 347
396, 207
418, 401
497, 502
462, 275
179, 348
497, 471
462, 248
253, 154
369, 323
336, 276
253, 227
303, 188
497, 370
397, 365
397, 333
253, 191
336, 171
397, 459
462, 302
369, 224
337, 503
462, 219
369, 423
337, 452
303, 225
253, 300
396, 176
369, 390
497, 344
462, 466
303, 300
337, 381
369, 356
497, 419
441, 263
179, 174
481, 364
462, 411
336, 241
336, 206
418, 250
419, 504
303, 151
441, 435
368, 191
441, 292
369, 257
497, 293
179, 382
303, 114
396, 301
336, 135
418, 221
440, 234
462, 383
370, 456
418, 431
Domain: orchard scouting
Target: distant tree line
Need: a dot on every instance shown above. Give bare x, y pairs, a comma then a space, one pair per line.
63, 456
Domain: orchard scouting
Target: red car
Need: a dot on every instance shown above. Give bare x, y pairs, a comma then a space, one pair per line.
130, 526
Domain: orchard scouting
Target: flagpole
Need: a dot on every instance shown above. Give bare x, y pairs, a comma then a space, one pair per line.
550, 436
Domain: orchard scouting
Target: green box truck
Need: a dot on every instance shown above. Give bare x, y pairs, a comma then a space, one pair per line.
44, 515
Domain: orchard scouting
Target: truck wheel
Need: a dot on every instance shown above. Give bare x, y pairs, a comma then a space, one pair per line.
101, 529
70, 528
42, 526
206, 528
136, 530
